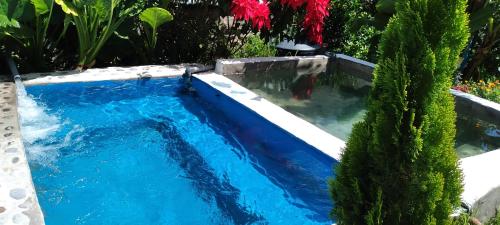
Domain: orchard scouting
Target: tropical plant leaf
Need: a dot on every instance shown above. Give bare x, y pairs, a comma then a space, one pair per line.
480, 17
155, 16
10, 12
41, 7
6, 22
67, 7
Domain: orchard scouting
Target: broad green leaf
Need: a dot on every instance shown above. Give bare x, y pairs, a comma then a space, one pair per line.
6, 22
480, 17
41, 7
67, 7
155, 16
11, 11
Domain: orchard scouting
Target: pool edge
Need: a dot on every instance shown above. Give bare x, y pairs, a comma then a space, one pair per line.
304, 131
107, 74
18, 200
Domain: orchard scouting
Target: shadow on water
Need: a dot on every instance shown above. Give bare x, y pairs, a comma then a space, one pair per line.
301, 173
203, 177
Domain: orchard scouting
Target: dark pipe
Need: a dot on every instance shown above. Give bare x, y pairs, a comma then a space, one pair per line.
13, 68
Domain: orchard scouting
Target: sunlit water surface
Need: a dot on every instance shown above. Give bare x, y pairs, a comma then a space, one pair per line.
141, 153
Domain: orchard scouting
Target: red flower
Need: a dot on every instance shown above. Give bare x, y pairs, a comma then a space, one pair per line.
261, 16
316, 11
252, 11
258, 14
243, 9
294, 4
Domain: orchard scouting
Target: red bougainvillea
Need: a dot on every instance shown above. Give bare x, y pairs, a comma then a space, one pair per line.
316, 11
261, 16
258, 14
252, 10
294, 4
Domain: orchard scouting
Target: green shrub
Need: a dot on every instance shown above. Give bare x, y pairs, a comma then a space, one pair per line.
399, 166
254, 47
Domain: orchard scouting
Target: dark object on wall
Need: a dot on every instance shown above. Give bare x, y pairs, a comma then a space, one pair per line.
290, 48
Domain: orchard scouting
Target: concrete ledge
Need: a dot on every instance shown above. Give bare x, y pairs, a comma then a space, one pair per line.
110, 73
18, 201
481, 175
295, 126
301, 64
465, 104
356, 67
477, 107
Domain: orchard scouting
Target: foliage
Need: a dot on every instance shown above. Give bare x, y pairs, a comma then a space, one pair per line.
95, 22
482, 57
29, 28
399, 166
357, 27
255, 47
362, 37
10, 12
154, 17
198, 34
489, 90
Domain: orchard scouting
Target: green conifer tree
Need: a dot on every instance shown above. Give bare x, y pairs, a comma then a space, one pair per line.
399, 166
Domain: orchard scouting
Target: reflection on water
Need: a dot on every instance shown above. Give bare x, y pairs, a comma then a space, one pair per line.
334, 102
475, 137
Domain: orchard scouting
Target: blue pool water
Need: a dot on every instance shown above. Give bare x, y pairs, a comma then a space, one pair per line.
131, 152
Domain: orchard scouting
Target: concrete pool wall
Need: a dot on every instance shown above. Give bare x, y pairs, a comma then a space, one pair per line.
466, 104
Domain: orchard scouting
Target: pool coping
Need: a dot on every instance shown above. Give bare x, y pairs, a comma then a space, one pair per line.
293, 125
18, 199
111, 73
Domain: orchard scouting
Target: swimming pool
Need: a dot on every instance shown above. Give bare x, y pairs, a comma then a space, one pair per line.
141, 152
335, 100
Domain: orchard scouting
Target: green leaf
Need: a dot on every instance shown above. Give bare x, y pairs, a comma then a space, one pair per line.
104, 7
67, 7
6, 22
41, 7
10, 12
155, 16
480, 17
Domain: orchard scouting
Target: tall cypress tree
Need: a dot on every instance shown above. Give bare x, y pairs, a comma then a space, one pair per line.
399, 166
